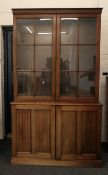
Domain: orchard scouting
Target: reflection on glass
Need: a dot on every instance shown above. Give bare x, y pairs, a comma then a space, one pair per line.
25, 83
69, 30
43, 31
68, 84
88, 79
87, 57
69, 58
43, 58
25, 57
25, 32
87, 30
43, 83
34, 31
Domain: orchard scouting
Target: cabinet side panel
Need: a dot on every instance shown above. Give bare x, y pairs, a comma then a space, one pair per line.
23, 130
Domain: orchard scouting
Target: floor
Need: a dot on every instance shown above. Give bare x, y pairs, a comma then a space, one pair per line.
7, 169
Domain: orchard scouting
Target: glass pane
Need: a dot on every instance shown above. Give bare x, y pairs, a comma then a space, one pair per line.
69, 30
68, 83
25, 83
43, 34
87, 30
87, 83
43, 58
25, 31
43, 81
87, 58
69, 58
25, 57
34, 31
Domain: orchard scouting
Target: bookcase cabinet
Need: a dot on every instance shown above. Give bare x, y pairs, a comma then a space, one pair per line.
56, 114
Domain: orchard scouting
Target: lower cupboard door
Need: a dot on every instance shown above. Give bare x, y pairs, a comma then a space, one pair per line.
35, 132
77, 132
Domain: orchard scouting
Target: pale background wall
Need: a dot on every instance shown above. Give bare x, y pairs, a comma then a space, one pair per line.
6, 19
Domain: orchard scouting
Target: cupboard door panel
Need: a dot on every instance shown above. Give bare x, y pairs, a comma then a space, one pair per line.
43, 132
89, 132
23, 129
66, 133
68, 124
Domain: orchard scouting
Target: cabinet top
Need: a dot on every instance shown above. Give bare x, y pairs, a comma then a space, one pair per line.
57, 11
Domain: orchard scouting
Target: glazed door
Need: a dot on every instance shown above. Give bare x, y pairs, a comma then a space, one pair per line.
35, 57
77, 54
